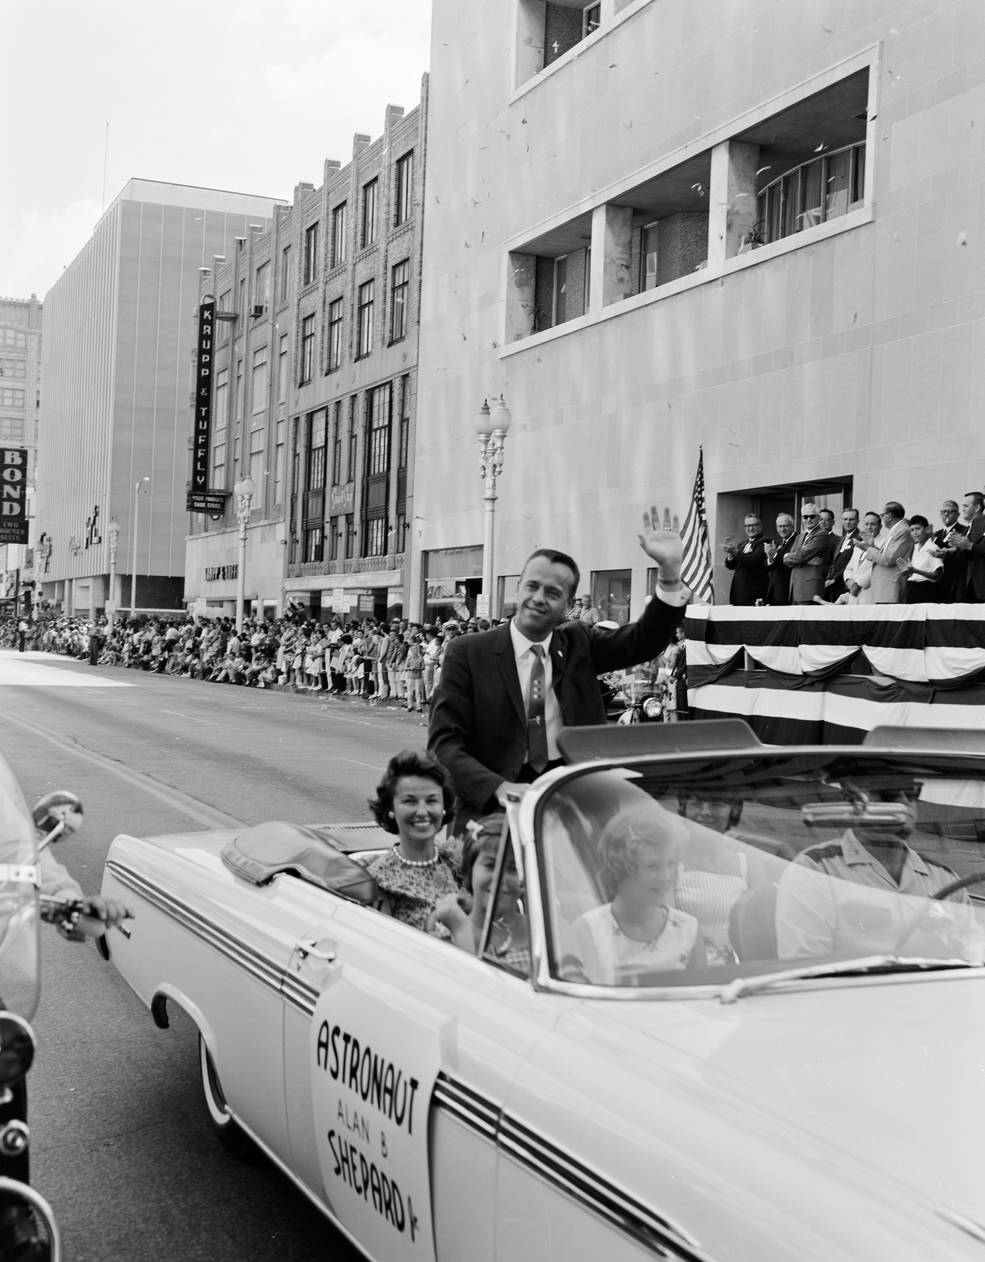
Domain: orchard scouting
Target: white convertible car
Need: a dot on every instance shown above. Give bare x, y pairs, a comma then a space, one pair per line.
787, 1064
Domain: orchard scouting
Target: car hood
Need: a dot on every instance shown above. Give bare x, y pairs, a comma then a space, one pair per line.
890, 1072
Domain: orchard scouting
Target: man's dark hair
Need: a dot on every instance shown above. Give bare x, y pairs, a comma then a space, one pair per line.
896, 509
977, 497
557, 558
919, 520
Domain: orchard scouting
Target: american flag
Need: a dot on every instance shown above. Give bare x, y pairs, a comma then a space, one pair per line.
696, 572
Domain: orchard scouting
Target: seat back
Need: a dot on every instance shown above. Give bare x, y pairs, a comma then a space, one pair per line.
752, 923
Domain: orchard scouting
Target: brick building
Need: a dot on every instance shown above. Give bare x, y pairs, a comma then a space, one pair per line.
315, 391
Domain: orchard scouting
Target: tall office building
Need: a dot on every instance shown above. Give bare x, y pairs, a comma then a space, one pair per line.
20, 378
659, 224
117, 376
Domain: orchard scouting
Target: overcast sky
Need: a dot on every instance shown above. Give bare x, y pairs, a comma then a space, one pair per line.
250, 95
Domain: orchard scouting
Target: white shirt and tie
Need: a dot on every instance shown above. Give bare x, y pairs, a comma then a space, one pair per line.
522, 650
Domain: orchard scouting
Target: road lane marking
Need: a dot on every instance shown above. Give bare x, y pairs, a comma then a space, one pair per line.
201, 812
190, 718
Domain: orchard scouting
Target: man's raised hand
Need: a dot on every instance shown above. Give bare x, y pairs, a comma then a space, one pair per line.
663, 546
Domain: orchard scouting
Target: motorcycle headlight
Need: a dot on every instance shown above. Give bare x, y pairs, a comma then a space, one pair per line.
652, 709
16, 1048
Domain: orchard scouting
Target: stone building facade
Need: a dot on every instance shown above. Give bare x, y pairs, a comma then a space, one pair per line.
652, 231
118, 345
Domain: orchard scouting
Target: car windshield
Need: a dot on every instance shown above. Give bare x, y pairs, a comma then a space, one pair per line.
700, 871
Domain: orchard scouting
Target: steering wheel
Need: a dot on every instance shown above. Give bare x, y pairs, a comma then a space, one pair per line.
952, 887
975, 878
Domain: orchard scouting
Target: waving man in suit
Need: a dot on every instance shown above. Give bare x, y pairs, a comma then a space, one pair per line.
505, 694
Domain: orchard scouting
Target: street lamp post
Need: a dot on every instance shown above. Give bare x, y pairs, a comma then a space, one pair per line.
114, 543
491, 428
243, 490
137, 490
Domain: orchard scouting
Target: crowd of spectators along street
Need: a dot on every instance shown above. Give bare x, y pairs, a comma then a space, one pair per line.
885, 558
395, 661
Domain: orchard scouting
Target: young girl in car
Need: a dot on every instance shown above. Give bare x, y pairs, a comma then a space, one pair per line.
464, 914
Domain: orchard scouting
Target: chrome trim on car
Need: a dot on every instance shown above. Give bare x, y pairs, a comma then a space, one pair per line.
262, 967
542, 1157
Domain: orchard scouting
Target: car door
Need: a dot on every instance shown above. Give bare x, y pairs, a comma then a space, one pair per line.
412, 1045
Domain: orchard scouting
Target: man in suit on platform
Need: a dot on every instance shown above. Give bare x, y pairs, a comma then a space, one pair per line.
505, 694
971, 547
777, 574
747, 561
809, 558
952, 582
896, 545
834, 584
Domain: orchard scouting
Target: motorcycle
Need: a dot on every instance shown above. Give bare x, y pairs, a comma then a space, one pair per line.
640, 700
28, 1229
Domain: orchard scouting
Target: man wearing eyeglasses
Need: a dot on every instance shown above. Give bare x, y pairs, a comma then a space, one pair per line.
809, 558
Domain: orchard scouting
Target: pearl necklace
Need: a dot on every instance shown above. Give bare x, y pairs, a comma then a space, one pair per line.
414, 863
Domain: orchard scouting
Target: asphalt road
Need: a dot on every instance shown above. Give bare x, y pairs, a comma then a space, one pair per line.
121, 1145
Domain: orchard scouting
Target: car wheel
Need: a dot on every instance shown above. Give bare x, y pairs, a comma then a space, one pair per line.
228, 1131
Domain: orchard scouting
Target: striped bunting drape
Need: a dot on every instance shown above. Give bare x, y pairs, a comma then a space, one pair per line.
833, 673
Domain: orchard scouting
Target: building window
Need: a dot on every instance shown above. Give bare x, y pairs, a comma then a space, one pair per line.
559, 305
285, 273
280, 457
240, 401
12, 368
219, 465
282, 369
310, 270
14, 338
261, 286
334, 335
405, 189
220, 416
648, 257
591, 18
399, 291
353, 441
367, 234
338, 235
337, 444
307, 349
317, 451
611, 591
261, 381
11, 398
365, 317
314, 543
11, 428
374, 542
350, 536
378, 436
403, 441
334, 534
813, 193
257, 464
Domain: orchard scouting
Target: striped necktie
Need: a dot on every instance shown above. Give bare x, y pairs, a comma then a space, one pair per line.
536, 725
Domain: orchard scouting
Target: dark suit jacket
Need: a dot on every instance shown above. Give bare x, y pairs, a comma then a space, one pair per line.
478, 728
834, 584
952, 582
749, 577
808, 561
974, 574
777, 574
